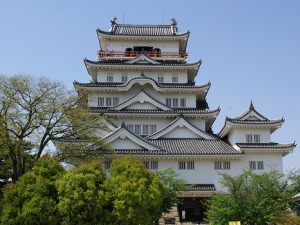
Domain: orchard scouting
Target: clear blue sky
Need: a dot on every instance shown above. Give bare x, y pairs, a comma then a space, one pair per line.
250, 49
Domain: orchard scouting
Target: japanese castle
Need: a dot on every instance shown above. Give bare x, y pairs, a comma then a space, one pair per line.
142, 81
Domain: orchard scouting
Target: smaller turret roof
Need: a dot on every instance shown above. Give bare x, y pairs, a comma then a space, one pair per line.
250, 118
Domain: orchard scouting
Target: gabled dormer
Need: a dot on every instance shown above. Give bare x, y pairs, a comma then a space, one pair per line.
250, 127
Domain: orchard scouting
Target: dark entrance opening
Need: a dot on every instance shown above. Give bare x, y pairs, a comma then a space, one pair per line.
192, 209
143, 49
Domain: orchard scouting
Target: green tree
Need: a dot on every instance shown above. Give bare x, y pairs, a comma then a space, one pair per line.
33, 199
38, 111
79, 199
133, 194
250, 198
294, 187
174, 185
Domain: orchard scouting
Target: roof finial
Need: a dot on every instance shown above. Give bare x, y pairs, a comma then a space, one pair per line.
123, 124
251, 105
113, 21
174, 22
142, 75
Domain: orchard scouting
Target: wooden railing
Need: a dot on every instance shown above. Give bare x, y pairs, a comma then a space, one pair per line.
165, 55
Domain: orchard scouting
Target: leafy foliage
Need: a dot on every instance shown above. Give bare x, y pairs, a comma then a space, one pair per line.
36, 111
79, 199
134, 194
174, 185
33, 199
251, 198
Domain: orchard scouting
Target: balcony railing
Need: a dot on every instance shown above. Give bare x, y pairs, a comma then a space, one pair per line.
163, 55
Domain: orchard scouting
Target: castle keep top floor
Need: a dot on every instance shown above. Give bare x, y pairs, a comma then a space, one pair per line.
160, 42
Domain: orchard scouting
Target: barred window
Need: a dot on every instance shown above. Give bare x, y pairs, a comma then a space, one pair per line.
107, 165
182, 102
110, 77
175, 79
145, 129
222, 165
160, 79
168, 101
249, 138
256, 138
151, 165
130, 127
181, 165
260, 165
190, 165
152, 129
108, 101
137, 129
252, 165
124, 77
218, 165
100, 101
175, 102
115, 101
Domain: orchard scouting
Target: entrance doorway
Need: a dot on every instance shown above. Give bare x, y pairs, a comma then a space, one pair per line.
192, 209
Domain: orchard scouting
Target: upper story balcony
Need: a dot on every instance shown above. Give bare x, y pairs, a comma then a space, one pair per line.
132, 54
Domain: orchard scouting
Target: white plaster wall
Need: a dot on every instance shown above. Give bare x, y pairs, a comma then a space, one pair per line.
238, 135
204, 172
142, 106
160, 96
165, 46
197, 122
117, 74
124, 144
181, 132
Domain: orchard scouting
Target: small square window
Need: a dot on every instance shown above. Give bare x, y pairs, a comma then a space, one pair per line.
175, 79
160, 79
110, 77
124, 78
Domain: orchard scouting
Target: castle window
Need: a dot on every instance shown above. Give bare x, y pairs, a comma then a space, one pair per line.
181, 165
174, 79
107, 165
175, 102
130, 127
182, 102
151, 165
115, 101
252, 138
256, 138
249, 138
100, 101
145, 129
152, 129
108, 101
160, 79
124, 78
110, 77
137, 129
256, 165
222, 165
186, 165
169, 102
190, 165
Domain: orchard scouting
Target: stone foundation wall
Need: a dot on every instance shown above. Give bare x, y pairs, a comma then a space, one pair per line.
172, 214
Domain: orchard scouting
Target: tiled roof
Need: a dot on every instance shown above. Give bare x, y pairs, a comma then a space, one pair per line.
265, 145
142, 30
161, 85
177, 147
194, 146
251, 108
255, 121
150, 111
202, 187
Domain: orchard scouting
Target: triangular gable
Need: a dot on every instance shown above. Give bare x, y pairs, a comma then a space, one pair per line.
251, 114
121, 138
180, 128
140, 100
103, 128
142, 59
